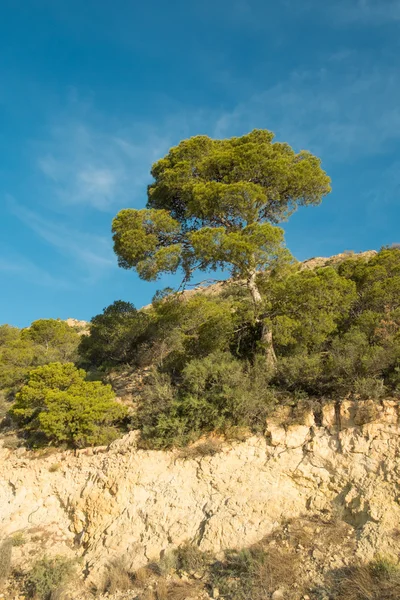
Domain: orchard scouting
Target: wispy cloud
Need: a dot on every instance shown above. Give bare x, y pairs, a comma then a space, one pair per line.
91, 253
89, 167
345, 116
350, 12
368, 11
29, 271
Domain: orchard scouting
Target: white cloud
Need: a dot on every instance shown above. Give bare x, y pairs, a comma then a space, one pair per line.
89, 167
91, 253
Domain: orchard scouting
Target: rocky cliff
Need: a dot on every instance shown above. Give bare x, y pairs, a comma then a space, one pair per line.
103, 503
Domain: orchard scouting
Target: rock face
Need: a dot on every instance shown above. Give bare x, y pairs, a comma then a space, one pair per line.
104, 503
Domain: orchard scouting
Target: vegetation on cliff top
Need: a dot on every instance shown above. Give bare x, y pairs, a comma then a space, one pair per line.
224, 358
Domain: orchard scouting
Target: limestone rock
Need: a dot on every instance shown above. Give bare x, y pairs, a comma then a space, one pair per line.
105, 503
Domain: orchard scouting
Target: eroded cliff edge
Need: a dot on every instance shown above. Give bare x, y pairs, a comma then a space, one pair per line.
104, 503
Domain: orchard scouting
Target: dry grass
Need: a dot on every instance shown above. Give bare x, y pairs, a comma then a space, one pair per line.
162, 590
142, 576
148, 595
5, 559
180, 591
11, 442
117, 577
208, 447
380, 580
257, 572
190, 558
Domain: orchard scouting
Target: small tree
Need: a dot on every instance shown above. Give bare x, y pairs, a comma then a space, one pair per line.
53, 338
113, 335
59, 405
215, 204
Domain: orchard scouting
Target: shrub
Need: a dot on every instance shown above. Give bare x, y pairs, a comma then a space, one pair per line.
256, 573
379, 580
58, 405
117, 578
214, 393
209, 447
369, 388
113, 336
48, 576
190, 558
301, 372
45, 341
18, 539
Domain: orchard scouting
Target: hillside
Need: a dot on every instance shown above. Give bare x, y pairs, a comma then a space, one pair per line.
162, 456
327, 492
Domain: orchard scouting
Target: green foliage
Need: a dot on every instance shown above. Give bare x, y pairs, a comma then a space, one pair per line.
53, 340
336, 331
214, 393
256, 572
48, 576
184, 328
45, 341
213, 204
114, 335
307, 307
58, 405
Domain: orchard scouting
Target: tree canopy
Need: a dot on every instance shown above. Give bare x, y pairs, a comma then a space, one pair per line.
215, 203
113, 335
45, 341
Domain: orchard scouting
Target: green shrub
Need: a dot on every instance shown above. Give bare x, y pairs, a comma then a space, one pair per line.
45, 341
369, 388
301, 372
58, 405
190, 558
113, 335
214, 393
48, 576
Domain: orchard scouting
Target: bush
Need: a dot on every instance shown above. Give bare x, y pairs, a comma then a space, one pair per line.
301, 372
379, 580
209, 447
190, 558
369, 388
257, 572
113, 336
45, 341
117, 577
48, 576
58, 405
214, 393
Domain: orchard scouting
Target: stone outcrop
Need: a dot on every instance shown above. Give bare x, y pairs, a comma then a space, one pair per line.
103, 503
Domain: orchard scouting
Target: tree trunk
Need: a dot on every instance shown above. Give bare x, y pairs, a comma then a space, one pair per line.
266, 333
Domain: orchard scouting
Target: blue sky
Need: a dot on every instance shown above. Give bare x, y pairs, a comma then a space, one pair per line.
93, 92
